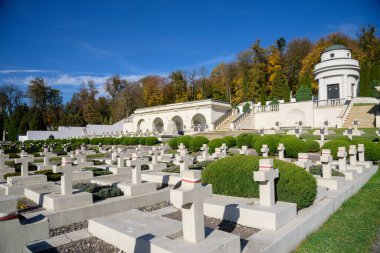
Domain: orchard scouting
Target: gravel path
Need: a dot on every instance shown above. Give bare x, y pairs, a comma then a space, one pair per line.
376, 244
89, 245
155, 207
25, 205
68, 228
226, 226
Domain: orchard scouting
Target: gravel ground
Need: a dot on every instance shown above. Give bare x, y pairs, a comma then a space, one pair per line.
229, 227
68, 228
89, 245
25, 205
155, 207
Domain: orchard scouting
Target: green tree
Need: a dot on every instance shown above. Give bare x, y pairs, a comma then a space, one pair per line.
280, 88
304, 93
364, 86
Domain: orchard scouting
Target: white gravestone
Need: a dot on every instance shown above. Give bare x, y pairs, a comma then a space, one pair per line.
265, 150
67, 169
189, 198
342, 161
266, 176
326, 160
281, 151
3, 156
327, 179
24, 159
244, 150
304, 161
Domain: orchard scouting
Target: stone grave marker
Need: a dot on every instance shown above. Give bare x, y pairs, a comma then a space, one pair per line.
281, 151
24, 159
189, 198
265, 150
266, 176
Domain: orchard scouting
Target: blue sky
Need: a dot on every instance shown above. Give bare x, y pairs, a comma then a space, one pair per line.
68, 42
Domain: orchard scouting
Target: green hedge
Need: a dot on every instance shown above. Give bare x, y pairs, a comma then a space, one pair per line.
173, 143
213, 144
293, 146
150, 141
244, 140
230, 141
372, 150
14, 174
334, 145
185, 139
197, 142
271, 140
312, 146
142, 140
233, 176
51, 176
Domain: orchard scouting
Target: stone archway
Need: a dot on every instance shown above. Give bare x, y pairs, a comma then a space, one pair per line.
178, 124
158, 125
198, 122
296, 115
141, 126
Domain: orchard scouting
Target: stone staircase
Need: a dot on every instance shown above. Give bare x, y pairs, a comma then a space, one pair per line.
225, 126
364, 113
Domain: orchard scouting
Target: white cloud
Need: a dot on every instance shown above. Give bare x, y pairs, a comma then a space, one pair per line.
19, 71
211, 61
345, 28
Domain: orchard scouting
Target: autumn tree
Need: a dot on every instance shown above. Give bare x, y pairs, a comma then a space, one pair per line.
153, 90
179, 82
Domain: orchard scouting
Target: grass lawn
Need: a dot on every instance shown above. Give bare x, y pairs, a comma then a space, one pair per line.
353, 228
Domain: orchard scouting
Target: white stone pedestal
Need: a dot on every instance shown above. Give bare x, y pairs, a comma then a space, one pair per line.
120, 170
333, 183
244, 212
44, 167
83, 174
58, 201
147, 233
130, 189
158, 166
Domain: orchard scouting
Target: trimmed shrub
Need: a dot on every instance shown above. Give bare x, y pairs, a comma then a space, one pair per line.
125, 141
51, 176
215, 143
99, 192
173, 143
244, 140
98, 171
334, 145
150, 141
197, 142
230, 141
293, 146
14, 174
142, 140
312, 146
31, 167
232, 176
133, 141
272, 142
185, 139
116, 141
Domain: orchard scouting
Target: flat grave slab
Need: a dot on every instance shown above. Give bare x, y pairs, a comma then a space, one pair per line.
135, 231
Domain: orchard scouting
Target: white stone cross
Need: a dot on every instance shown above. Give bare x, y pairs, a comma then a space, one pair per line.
361, 149
326, 160
298, 131
342, 158
184, 163
162, 152
81, 158
154, 153
224, 146
223, 150
266, 176
205, 150
244, 150
353, 153
303, 161
182, 150
349, 131
189, 197
356, 123
322, 132
121, 159
136, 172
67, 169
83, 147
24, 160
3, 156
281, 151
262, 132
265, 150
378, 132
